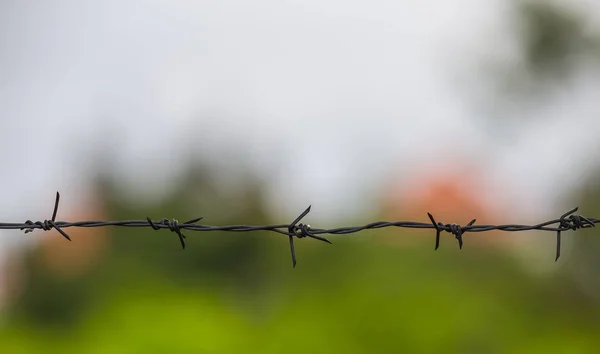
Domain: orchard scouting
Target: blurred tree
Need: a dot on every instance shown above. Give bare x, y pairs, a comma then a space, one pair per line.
135, 254
553, 39
554, 42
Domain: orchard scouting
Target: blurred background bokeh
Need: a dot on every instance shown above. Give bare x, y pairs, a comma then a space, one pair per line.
246, 113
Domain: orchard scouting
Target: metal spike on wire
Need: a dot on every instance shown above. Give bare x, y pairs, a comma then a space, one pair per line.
567, 221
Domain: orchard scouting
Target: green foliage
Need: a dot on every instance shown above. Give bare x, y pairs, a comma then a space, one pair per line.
358, 299
233, 293
555, 44
552, 38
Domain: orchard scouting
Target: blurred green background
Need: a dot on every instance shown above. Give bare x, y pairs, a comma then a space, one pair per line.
133, 290
237, 292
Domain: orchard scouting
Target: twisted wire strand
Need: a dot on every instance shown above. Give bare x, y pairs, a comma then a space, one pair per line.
567, 221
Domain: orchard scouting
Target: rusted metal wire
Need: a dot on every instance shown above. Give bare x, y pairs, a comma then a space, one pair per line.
567, 221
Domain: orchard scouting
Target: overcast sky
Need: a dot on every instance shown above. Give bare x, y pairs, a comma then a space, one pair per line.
327, 97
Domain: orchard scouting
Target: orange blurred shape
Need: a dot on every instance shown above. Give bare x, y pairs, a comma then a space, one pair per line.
74, 259
452, 197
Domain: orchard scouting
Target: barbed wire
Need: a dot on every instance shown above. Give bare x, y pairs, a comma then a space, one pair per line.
567, 221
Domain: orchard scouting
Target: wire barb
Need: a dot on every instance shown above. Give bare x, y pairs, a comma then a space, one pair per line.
437, 230
567, 221
172, 225
301, 231
574, 222
454, 229
47, 225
